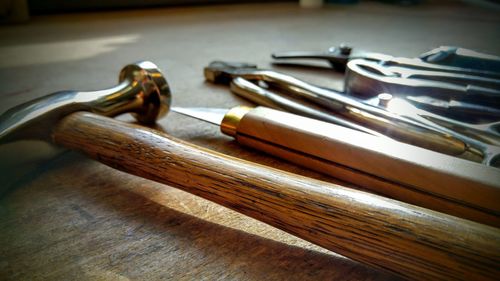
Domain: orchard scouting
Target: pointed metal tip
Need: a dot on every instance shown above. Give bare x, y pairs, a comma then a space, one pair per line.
211, 115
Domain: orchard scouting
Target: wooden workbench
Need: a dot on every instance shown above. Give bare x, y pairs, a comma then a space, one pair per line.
75, 219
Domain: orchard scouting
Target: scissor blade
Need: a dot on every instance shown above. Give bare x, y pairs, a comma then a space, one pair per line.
210, 115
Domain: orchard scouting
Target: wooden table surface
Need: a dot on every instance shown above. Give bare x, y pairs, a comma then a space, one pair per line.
75, 219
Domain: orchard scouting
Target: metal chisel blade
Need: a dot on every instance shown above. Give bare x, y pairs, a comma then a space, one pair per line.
211, 115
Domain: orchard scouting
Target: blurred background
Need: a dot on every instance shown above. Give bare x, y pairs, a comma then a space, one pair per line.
20, 10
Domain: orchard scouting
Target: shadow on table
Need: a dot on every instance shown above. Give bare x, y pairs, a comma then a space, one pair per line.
91, 221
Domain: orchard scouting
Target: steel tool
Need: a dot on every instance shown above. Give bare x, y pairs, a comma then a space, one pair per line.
267, 98
446, 73
484, 137
462, 58
375, 74
445, 58
456, 109
488, 133
367, 79
410, 241
420, 133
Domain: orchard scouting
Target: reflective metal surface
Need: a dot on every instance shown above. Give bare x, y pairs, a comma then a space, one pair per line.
461, 57
488, 133
460, 110
142, 91
210, 115
445, 58
336, 56
430, 136
258, 95
366, 78
444, 72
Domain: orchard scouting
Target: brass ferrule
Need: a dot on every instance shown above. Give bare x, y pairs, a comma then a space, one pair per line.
229, 125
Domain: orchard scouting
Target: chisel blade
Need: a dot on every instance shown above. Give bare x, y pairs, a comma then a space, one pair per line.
210, 115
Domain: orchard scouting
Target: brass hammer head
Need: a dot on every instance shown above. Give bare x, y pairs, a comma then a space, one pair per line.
142, 91
154, 97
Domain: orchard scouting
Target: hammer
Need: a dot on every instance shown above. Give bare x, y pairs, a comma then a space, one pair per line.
410, 241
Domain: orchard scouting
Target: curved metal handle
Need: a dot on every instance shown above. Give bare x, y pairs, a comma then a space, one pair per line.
260, 96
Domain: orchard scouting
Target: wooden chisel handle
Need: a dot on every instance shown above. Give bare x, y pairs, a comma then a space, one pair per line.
413, 242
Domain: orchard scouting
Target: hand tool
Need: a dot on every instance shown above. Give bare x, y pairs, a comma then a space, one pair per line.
267, 98
445, 58
445, 72
479, 136
142, 91
462, 58
434, 137
486, 132
367, 79
29, 121
456, 109
391, 168
413, 242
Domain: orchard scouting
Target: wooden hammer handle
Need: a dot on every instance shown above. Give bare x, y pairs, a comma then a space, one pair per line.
410, 241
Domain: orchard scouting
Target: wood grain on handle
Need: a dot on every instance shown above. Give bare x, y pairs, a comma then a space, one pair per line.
413, 242
407, 173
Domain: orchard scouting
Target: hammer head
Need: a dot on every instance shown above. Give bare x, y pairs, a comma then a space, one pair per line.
142, 91
155, 99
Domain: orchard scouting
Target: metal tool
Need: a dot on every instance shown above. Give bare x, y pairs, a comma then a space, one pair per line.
367, 79
398, 127
488, 133
445, 58
142, 91
462, 58
336, 56
463, 75
457, 109
445, 72
413, 242
260, 96
381, 165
